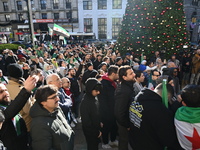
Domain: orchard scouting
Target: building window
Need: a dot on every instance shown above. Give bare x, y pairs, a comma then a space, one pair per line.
195, 2
102, 4
19, 5
68, 4
55, 4
20, 17
44, 15
88, 25
102, 28
7, 17
69, 16
117, 4
116, 23
43, 4
56, 15
87, 4
5, 6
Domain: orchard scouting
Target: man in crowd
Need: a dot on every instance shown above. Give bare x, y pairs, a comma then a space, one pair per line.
187, 118
13, 133
65, 101
123, 97
152, 125
49, 127
74, 77
106, 107
195, 68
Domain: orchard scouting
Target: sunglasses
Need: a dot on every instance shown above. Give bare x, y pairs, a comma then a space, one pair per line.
156, 75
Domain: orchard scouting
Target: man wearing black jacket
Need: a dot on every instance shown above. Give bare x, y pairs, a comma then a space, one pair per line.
106, 107
73, 76
123, 96
13, 133
152, 125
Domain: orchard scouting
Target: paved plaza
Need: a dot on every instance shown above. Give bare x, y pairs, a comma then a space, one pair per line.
80, 143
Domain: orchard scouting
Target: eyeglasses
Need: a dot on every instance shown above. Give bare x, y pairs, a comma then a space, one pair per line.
156, 75
65, 82
175, 71
54, 97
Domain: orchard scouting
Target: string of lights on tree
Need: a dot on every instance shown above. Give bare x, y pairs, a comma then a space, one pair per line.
151, 25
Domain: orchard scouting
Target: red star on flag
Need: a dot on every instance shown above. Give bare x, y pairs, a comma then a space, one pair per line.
195, 140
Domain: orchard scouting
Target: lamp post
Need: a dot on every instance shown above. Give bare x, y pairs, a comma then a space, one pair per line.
30, 18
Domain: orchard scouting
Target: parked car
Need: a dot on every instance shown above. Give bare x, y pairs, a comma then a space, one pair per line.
28, 44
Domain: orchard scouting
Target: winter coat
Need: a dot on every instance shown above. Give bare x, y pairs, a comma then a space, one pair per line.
196, 64
152, 125
50, 131
123, 97
107, 100
8, 134
90, 113
75, 88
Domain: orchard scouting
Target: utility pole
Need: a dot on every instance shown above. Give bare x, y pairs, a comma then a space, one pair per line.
30, 19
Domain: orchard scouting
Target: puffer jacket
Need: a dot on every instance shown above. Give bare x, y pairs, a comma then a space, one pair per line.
50, 131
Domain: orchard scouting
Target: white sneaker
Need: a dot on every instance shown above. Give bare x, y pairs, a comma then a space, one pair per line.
75, 121
72, 124
78, 120
105, 146
114, 143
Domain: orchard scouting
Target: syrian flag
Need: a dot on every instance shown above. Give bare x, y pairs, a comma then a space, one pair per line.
50, 31
187, 122
60, 30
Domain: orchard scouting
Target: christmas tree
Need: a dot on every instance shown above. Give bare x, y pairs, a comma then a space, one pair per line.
153, 25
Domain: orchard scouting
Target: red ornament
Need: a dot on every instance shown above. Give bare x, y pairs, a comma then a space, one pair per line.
154, 40
154, 1
161, 13
142, 36
164, 33
136, 5
145, 8
126, 32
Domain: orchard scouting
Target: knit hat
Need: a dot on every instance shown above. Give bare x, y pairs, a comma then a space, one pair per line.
118, 59
15, 71
89, 64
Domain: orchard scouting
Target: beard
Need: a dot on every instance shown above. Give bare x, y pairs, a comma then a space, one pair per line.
5, 101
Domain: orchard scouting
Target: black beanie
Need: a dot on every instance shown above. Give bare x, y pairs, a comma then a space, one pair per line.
15, 71
89, 64
118, 59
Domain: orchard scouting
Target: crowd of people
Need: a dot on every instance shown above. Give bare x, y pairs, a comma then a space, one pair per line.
46, 91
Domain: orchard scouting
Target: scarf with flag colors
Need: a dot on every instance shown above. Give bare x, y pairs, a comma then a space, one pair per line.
187, 122
60, 30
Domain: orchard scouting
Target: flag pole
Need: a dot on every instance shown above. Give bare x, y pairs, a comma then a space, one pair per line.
164, 93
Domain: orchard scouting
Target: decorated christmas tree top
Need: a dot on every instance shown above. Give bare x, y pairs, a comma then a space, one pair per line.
153, 25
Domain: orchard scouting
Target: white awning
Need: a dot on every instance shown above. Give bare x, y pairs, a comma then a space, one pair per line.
81, 34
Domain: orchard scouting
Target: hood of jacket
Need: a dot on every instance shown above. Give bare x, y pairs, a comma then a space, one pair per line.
91, 84
37, 110
148, 95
